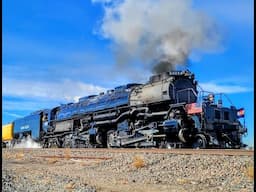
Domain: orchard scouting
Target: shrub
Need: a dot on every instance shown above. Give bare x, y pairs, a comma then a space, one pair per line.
67, 153
138, 162
250, 171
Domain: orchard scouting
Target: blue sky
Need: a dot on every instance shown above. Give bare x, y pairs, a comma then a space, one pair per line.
53, 53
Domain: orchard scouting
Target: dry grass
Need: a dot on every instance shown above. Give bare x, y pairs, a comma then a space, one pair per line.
19, 156
182, 181
6, 156
52, 160
250, 171
67, 153
138, 162
70, 186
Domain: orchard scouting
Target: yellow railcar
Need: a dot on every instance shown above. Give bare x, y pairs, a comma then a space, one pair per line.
7, 132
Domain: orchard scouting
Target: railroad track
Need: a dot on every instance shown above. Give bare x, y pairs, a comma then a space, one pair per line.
229, 152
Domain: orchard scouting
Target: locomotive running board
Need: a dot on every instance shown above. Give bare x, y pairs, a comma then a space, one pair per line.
136, 140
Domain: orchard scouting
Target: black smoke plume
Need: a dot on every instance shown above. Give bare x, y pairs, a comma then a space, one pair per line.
161, 34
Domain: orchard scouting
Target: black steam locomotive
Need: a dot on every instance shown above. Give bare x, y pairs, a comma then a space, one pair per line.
167, 111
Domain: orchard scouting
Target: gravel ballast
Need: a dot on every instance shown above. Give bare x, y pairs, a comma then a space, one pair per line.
42, 170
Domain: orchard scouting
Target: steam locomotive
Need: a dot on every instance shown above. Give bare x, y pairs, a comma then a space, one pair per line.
166, 112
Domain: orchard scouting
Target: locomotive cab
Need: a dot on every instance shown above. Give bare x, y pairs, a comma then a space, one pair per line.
221, 124
205, 124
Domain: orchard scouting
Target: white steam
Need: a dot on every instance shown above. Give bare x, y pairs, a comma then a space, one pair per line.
27, 142
160, 33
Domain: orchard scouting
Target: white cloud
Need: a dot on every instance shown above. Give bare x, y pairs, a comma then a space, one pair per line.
217, 88
66, 90
27, 105
101, 1
13, 114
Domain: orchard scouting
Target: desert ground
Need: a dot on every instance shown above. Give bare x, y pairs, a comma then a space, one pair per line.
73, 170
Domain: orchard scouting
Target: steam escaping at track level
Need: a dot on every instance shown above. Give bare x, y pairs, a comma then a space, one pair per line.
162, 34
27, 142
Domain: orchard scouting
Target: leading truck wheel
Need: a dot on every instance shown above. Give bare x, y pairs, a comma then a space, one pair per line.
200, 142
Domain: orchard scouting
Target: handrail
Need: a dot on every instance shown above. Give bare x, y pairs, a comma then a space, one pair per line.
202, 94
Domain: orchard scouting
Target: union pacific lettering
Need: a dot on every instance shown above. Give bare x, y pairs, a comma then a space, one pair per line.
24, 127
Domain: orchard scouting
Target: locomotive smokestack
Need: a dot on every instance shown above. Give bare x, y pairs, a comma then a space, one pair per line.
164, 31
